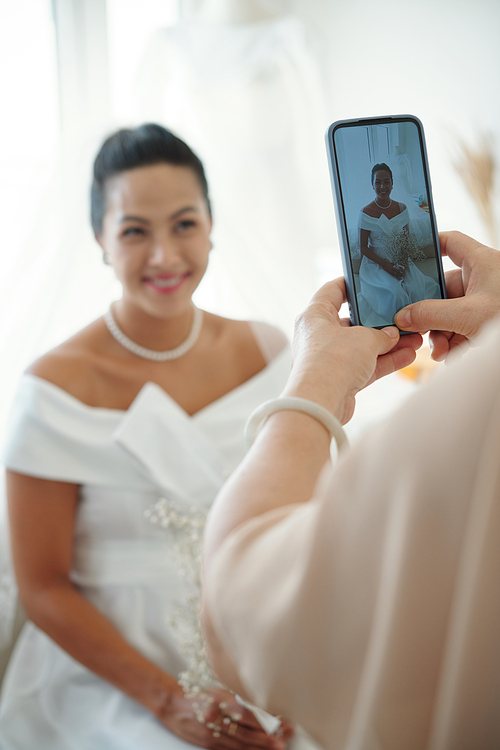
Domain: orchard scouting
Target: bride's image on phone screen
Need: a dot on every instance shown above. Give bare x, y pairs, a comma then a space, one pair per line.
392, 240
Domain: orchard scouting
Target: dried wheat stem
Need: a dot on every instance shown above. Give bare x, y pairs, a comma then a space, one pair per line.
477, 168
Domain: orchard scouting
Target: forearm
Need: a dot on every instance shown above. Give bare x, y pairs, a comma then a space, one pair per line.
332, 363
89, 637
282, 469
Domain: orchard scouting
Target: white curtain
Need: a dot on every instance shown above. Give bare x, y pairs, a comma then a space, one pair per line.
52, 281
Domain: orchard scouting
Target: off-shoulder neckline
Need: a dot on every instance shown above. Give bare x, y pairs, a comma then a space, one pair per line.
384, 216
65, 395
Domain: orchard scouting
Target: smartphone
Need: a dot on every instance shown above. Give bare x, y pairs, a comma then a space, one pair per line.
385, 216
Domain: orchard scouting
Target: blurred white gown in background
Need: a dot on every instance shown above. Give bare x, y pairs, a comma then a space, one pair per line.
248, 97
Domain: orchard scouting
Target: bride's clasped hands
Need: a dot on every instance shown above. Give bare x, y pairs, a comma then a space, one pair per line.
225, 725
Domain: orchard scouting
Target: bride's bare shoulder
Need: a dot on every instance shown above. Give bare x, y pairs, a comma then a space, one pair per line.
71, 364
371, 210
227, 331
254, 339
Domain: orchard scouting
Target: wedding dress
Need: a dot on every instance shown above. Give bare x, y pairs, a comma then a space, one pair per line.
248, 98
381, 294
124, 461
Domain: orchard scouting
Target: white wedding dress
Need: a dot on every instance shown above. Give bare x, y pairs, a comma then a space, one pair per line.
381, 294
124, 462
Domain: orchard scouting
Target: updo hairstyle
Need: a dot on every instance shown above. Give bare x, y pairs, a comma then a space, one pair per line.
378, 168
139, 147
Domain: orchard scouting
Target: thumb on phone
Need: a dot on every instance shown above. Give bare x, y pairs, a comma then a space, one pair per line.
454, 315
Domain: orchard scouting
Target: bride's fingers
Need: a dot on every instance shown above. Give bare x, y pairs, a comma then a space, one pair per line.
245, 718
287, 730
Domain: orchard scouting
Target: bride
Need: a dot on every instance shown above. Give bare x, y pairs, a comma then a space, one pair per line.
386, 286
147, 402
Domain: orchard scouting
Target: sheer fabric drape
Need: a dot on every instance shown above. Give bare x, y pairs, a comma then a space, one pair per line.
53, 280
249, 98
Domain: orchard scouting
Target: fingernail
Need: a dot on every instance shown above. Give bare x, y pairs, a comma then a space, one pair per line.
392, 332
403, 318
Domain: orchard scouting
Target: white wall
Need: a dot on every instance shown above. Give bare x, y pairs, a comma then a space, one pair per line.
437, 59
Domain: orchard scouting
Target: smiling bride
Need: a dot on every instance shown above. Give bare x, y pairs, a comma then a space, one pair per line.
147, 402
388, 276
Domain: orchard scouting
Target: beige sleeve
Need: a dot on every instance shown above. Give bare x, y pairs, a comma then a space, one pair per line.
371, 614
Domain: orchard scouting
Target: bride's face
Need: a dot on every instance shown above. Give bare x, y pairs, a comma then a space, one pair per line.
156, 235
382, 184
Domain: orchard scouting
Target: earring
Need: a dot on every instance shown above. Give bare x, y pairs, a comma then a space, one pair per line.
105, 259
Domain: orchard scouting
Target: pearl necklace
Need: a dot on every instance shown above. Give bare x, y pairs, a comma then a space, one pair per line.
141, 351
384, 208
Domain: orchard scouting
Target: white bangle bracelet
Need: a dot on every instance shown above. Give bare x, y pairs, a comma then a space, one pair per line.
257, 417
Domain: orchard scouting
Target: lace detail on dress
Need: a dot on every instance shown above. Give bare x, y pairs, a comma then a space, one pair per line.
186, 533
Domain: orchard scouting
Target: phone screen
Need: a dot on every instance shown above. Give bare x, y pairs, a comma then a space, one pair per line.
384, 206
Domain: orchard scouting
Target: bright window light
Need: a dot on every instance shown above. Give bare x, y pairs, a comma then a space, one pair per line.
130, 25
29, 126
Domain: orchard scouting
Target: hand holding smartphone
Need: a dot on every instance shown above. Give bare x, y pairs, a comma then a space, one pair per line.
385, 217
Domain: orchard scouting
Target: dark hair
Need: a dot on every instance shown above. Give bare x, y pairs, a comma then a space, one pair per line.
379, 167
139, 147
